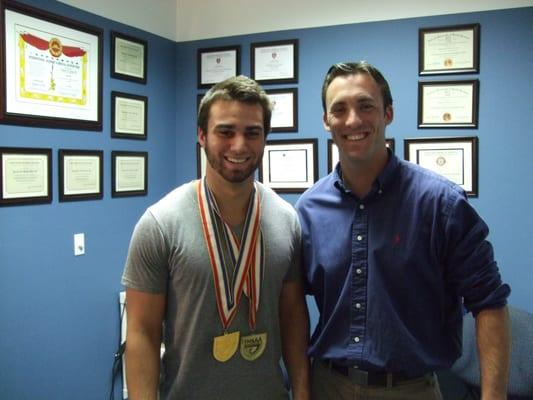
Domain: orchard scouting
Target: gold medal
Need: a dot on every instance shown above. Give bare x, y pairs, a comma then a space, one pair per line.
252, 346
225, 346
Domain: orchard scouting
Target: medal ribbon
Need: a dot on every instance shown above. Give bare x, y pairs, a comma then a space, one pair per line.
42, 44
246, 255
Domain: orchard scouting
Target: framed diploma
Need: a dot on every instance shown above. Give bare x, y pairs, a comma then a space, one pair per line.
275, 62
289, 166
81, 175
216, 64
129, 57
129, 116
25, 176
333, 155
390, 144
201, 161
450, 104
333, 152
285, 110
449, 50
455, 158
129, 173
51, 70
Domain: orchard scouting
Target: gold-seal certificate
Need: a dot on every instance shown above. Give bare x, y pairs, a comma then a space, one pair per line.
237, 267
52, 69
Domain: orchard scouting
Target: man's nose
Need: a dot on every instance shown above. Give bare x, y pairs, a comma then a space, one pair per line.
238, 142
353, 117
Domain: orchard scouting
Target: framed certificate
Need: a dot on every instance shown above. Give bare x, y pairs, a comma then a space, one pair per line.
285, 110
333, 152
333, 155
449, 50
275, 62
455, 158
81, 175
389, 142
129, 116
129, 57
289, 166
25, 176
51, 70
129, 173
201, 161
216, 64
450, 104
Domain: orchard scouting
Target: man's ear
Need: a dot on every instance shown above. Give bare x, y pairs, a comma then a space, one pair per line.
201, 137
325, 121
389, 114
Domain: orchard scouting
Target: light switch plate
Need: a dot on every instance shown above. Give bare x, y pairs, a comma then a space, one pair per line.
79, 244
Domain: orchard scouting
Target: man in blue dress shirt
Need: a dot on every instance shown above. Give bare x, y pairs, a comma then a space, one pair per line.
392, 252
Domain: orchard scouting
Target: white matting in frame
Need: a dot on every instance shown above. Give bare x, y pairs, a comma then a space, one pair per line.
52, 70
455, 158
284, 109
289, 166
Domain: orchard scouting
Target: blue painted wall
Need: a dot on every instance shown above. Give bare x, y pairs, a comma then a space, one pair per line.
59, 313
505, 117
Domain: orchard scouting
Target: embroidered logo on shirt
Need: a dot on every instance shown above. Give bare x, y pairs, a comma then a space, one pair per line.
396, 239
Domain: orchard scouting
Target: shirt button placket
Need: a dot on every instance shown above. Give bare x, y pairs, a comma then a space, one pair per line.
359, 262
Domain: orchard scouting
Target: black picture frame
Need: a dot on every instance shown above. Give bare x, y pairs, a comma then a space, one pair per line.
274, 74
435, 104
283, 126
448, 50
79, 105
30, 166
201, 161
121, 99
227, 63
138, 51
460, 153
304, 150
137, 173
390, 143
84, 172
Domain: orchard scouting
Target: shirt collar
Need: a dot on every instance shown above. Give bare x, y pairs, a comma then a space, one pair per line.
382, 182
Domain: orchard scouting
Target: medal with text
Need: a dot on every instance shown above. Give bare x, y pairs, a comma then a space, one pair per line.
252, 346
246, 256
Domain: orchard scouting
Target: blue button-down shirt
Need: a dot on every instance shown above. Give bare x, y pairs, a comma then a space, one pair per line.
390, 272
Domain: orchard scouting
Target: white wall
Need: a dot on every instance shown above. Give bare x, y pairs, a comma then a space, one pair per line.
184, 20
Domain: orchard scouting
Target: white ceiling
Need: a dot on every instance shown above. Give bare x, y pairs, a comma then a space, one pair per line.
185, 20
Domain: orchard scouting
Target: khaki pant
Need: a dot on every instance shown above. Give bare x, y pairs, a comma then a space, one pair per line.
328, 384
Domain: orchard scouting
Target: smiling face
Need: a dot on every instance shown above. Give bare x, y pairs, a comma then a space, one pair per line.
356, 118
234, 141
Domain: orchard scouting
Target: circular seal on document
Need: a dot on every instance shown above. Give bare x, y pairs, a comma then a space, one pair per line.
55, 47
446, 116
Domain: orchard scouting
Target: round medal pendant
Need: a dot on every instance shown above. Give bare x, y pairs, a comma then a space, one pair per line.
225, 346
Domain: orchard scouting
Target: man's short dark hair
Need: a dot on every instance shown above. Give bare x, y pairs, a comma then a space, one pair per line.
238, 88
354, 68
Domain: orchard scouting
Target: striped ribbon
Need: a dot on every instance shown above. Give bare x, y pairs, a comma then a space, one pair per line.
246, 255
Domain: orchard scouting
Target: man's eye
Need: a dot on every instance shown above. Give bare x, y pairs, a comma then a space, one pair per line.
254, 133
337, 110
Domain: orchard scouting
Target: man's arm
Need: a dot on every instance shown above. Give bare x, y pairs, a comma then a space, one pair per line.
494, 348
143, 343
294, 324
